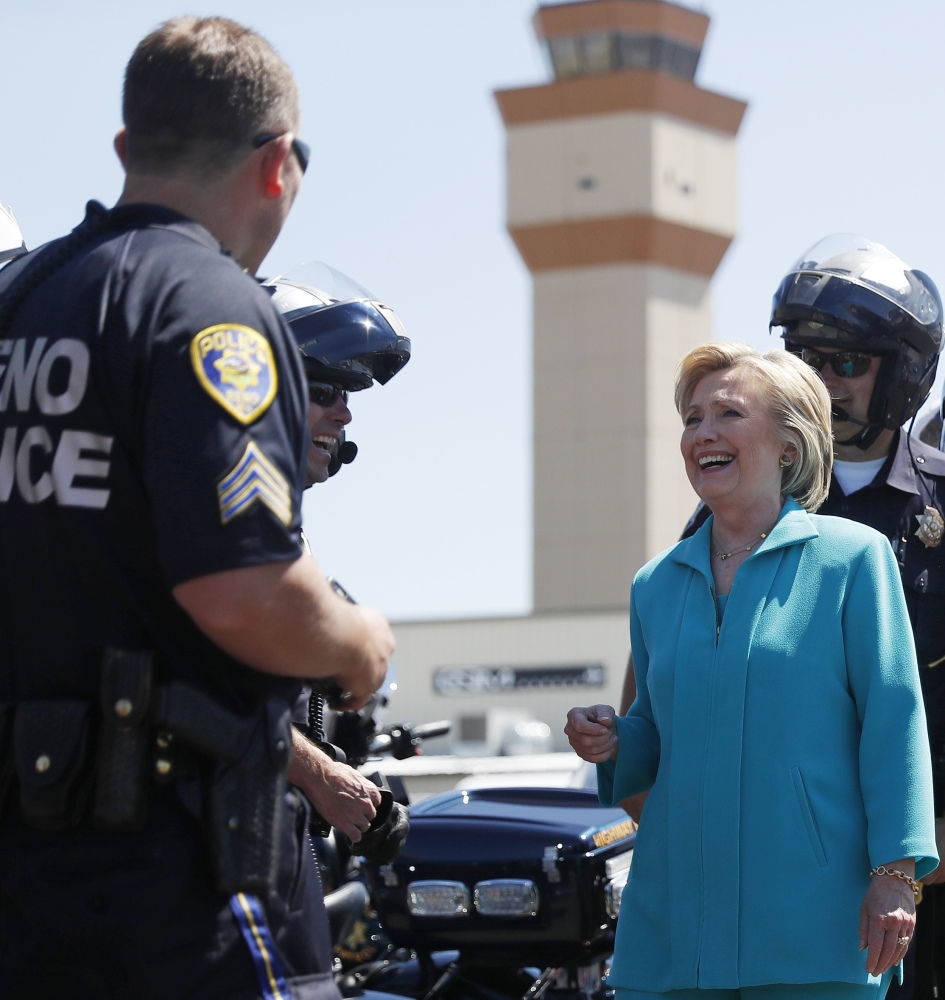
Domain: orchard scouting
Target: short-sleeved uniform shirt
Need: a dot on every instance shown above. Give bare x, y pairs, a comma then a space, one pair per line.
152, 431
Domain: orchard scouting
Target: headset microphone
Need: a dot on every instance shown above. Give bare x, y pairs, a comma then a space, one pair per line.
345, 455
862, 438
839, 413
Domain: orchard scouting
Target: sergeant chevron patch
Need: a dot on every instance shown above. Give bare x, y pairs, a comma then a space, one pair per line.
254, 478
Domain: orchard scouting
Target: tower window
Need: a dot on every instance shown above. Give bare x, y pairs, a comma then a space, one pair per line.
610, 51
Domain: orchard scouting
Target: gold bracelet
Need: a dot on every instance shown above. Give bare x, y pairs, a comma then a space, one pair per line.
883, 870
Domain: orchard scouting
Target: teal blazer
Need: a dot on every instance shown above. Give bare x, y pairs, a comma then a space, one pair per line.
786, 753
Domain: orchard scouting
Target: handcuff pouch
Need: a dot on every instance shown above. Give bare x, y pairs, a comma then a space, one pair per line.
51, 751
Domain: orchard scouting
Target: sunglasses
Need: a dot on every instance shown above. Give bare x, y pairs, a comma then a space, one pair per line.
301, 149
324, 395
845, 364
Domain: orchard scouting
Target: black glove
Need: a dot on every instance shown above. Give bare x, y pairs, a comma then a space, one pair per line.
383, 843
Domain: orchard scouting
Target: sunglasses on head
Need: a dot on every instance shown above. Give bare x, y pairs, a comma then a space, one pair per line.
844, 364
301, 149
324, 395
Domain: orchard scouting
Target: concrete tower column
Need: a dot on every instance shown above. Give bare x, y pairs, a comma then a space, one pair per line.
621, 201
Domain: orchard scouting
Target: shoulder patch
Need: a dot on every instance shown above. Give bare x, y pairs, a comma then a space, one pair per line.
254, 479
234, 364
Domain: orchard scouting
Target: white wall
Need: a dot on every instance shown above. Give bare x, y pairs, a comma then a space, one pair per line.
532, 642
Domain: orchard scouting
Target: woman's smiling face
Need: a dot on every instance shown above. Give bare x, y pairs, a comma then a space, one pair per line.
729, 442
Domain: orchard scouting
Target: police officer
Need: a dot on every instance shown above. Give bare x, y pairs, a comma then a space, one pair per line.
872, 327
347, 340
157, 609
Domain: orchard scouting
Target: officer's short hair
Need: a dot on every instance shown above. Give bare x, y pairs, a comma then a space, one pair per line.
798, 405
197, 91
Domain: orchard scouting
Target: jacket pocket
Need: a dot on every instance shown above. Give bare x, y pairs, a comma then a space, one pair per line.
807, 813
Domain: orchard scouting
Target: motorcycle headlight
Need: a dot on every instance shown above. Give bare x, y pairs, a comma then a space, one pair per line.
619, 865
506, 897
613, 894
616, 869
437, 899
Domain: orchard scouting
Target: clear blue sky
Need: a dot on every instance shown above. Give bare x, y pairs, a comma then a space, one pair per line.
406, 194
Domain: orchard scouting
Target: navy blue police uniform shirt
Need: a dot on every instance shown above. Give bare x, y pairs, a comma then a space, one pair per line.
895, 504
152, 431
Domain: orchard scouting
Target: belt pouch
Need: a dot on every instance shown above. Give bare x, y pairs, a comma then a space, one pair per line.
51, 746
124, 745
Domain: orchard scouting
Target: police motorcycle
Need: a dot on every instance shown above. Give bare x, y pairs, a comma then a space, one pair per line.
496, 894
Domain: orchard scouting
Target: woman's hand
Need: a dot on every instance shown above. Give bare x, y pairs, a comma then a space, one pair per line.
592, 733
887, 919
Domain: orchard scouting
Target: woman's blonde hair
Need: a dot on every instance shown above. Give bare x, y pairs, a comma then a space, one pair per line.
798, 406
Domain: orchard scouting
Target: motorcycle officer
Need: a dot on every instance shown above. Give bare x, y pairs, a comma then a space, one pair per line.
347, 340
872, 326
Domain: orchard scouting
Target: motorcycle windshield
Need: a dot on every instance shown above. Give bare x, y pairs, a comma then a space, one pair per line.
865, 262
12, 243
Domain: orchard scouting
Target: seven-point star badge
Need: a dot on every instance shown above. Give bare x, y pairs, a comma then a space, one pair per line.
931, 528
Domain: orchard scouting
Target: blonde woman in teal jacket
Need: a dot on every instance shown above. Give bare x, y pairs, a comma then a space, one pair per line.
778, 722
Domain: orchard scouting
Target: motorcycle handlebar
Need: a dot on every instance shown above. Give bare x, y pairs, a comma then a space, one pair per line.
404, 740
427, 730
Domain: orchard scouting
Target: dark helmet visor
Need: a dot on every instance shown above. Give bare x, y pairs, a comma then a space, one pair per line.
864, 291
355, 339
346, 336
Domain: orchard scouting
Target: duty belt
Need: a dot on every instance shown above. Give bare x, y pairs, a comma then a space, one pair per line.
63, 762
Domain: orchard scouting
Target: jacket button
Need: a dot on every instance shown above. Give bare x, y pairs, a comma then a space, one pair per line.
43, 763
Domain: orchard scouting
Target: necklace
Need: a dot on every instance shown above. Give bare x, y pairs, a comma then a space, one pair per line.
745, 548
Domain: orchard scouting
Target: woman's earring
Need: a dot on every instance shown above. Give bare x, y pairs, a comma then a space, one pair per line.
784, 462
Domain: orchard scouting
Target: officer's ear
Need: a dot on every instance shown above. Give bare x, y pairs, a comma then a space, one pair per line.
121, 146
272, 165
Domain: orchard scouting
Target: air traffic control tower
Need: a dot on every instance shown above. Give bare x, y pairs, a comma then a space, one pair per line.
622, 203
621, 200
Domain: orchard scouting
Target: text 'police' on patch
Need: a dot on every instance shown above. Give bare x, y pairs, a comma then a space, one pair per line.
234, 364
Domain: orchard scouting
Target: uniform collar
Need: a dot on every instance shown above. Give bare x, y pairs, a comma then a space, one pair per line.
901, 472
897, 471
144, 215
793, 527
